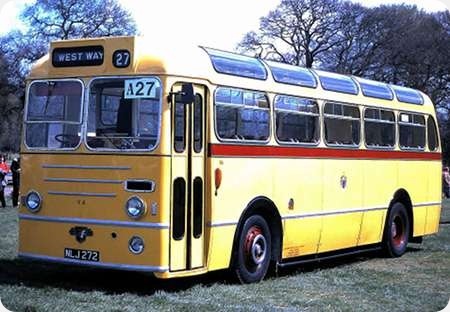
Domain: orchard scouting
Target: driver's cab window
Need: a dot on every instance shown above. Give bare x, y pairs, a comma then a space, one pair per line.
53, 114
119, 119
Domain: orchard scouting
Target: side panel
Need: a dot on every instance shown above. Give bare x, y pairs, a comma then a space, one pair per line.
380, 183
434, 196
413, 177
372, 227
242, 180
301, 181
342, 203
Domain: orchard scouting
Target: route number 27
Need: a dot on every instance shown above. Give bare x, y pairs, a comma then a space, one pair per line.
140, 88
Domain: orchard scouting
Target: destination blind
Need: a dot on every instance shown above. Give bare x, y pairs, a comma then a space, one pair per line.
78, 56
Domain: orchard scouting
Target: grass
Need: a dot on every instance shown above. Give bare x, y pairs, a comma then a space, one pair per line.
418, 281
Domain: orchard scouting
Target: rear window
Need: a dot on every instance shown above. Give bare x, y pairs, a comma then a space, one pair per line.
433, 142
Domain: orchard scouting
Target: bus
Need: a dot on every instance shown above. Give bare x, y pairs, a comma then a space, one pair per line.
179, 161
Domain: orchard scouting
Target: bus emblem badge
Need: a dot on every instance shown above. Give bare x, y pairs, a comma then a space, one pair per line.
80, 233
343, 181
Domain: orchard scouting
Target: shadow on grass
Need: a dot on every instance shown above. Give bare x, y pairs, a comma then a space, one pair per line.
340, 261
34, 274
18, 272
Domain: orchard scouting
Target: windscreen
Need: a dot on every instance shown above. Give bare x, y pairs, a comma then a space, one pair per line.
124, 113
53, 114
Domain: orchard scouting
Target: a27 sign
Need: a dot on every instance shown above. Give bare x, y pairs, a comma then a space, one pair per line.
141, 88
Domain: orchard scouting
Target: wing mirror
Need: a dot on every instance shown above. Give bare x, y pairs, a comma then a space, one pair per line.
186, 96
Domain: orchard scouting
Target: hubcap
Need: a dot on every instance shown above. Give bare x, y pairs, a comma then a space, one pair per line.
398, 231
259, 249
255, 247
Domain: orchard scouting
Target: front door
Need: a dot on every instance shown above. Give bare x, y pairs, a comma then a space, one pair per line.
188, 180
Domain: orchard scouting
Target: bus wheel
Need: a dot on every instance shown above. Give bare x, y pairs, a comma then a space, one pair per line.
396, 231
254, 250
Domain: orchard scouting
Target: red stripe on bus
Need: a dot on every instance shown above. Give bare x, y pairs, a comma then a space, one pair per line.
315, 152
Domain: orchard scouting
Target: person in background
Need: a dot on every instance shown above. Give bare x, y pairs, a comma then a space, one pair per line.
4, 169
446, 182
3, 165
15, 168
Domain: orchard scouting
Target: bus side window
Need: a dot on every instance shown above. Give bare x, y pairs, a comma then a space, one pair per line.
412, 131
242, 115
433, 142
179, 127
198, 123
342, 124
379, 128
297, 120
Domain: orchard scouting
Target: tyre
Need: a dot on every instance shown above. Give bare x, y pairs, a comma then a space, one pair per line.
396, 231
253, 254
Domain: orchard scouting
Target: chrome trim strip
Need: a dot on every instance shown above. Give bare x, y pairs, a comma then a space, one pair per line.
118, 266
81, 194
319, 214
428, 204
223, 223
304, 215
82, 180
51, 166
135, 224
335, 212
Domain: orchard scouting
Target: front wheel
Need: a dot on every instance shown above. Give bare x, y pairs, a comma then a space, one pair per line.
396, 232
253, 250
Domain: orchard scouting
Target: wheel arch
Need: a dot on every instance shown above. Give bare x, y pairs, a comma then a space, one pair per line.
402, 196
266, 208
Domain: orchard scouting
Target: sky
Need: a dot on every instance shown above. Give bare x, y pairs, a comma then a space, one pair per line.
213, 23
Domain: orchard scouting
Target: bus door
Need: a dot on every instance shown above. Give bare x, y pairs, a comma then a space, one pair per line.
188, 180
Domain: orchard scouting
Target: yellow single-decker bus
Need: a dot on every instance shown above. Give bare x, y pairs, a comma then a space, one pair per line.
181, 160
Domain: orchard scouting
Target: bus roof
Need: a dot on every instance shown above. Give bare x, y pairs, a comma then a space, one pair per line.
108, 56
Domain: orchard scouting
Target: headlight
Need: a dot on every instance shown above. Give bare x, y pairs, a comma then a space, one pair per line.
33, 201
135, 207
136, 245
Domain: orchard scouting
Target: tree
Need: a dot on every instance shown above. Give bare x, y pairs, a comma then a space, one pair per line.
297, 31
414, 51
396, 44
45, 21
66, 19
10, 109
20, 51
355, 53
48, 20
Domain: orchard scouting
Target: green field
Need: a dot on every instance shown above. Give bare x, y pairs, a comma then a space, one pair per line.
418, 281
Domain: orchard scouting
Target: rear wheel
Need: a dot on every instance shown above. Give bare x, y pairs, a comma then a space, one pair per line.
396, 232
253, 250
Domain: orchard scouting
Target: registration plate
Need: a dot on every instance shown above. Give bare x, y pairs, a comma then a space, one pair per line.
80, 254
